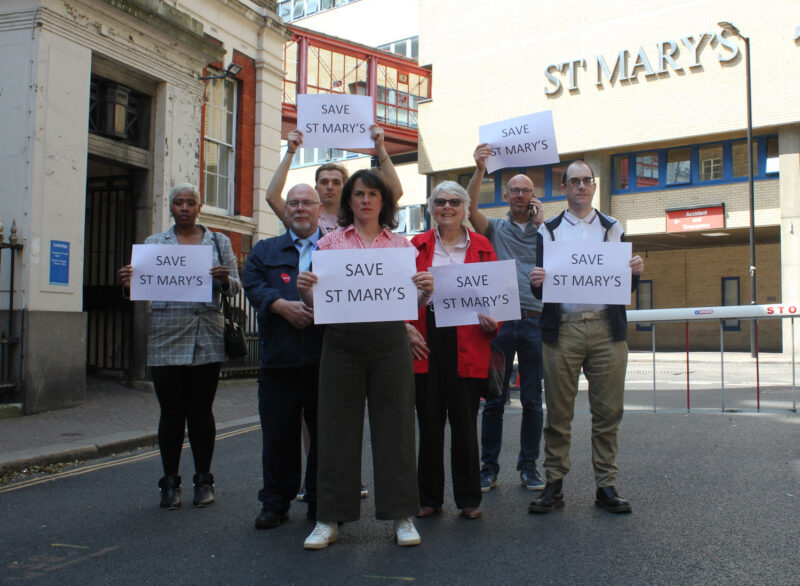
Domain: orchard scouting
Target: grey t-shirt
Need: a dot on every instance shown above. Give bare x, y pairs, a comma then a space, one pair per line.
510, 242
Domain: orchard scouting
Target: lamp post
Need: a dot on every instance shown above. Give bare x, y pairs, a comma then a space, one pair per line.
729, 27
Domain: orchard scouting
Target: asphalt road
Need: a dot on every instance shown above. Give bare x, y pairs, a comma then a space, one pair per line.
716, 499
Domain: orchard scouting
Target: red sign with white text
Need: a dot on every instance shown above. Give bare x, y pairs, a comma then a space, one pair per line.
709, 218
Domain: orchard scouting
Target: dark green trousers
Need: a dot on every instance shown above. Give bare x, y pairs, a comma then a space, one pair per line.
366, 364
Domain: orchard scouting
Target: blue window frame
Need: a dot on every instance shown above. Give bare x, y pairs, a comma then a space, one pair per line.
692, 165
644, 300
730, 296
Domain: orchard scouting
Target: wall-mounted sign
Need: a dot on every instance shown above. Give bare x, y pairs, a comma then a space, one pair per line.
693, 219
653, 61
59, 262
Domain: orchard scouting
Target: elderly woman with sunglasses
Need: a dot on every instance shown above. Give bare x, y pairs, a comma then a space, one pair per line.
451, 364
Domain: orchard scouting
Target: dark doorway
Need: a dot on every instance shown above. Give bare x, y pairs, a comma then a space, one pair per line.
110, 226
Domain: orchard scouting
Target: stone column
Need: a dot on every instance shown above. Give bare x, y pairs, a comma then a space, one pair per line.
789, 153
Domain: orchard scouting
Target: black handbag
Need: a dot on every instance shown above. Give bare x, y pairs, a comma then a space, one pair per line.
235, 341
497, 373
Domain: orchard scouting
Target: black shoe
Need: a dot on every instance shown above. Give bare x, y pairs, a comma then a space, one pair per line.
608, 499
268, 520
551, 499
170, 491
203, 490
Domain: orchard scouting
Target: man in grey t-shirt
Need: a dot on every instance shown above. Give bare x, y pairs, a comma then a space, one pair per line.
513, 238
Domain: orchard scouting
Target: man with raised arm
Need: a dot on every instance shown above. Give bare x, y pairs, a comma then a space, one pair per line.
329, 178
588, 337
513, 237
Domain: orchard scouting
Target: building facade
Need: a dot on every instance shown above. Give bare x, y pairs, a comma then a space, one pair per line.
106, 105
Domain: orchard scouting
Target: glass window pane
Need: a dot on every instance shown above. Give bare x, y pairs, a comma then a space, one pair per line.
312, 6
739, 154
620, 163
210, 188
556, 172
678, 166
285, 10
730, 296
414, 48
772, 156
647, 169
299, 8
327, 4
211, 157
711, 162
537, 176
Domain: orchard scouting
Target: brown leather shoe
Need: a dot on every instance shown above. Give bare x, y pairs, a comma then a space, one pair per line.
428, 512
471, 512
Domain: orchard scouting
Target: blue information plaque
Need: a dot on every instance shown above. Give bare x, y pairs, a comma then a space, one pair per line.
59, 262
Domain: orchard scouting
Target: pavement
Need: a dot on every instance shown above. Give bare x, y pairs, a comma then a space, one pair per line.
116, 418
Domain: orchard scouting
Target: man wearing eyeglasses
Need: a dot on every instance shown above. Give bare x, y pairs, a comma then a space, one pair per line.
584, 337
289, 352
513, 237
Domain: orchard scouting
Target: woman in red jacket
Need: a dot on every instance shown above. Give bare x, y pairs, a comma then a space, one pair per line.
450, 364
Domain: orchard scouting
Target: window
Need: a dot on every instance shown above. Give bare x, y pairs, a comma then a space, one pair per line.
317, 156
711, 162
646, 169
486, 194
218, 143
406, 47
411, 219
679, 166
687, 166
546, 183
730, 296
289, 10
644, 300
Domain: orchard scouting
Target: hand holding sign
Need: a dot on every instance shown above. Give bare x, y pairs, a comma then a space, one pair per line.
520, 142
335, 120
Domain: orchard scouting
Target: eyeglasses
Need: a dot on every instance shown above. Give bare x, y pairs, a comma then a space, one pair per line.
440, 202
576, 181
306, 203
520, 191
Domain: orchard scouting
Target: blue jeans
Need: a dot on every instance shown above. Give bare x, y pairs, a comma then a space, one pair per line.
523, 337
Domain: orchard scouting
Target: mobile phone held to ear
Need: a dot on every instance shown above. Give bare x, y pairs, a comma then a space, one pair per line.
532, 209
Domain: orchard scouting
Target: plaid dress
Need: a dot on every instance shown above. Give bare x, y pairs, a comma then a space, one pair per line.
191, 333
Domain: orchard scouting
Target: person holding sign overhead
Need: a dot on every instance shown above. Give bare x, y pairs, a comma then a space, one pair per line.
582, 337
451, 364
329, 179
185, 350
365, 362
513, 238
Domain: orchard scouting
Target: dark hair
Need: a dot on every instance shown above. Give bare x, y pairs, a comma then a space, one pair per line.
564, 173
373, 180
330, 167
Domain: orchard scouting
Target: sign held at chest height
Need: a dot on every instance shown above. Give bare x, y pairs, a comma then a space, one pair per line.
364, 285
465, 290
339, 121
171, 272
525, 141
587, 272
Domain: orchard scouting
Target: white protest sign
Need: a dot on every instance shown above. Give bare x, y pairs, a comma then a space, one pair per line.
525, 141
364, 285
171, 272
587, 272
465, 290
339, 121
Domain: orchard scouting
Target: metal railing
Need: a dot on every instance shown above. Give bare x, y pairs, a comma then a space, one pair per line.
752, 313
8, 334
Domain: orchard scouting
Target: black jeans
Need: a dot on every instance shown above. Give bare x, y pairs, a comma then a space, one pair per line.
285, 395
186, 395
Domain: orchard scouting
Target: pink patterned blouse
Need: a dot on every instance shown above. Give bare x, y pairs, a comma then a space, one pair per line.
346, 238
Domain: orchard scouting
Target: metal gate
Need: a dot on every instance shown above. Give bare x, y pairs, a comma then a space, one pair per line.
108, 241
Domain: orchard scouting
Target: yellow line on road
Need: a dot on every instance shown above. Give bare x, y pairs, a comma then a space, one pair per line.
111, 464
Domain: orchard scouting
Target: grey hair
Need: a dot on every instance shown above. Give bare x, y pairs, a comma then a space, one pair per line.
453, 188
183, 187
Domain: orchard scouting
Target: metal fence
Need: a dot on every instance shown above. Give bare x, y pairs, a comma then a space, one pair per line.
752, 313
246, 366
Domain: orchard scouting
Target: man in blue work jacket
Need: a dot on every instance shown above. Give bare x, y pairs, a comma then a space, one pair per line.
289, 349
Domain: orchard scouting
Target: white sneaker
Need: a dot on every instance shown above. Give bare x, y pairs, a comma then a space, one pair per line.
406, 533
322, 535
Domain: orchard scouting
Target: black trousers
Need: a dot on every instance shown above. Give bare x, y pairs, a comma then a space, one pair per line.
186, 395
284, 396
441, 395
366, 363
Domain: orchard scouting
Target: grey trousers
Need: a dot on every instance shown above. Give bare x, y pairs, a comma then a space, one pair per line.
584, 345
366, 363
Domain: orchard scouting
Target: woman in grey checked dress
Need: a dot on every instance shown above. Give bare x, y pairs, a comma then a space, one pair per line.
185, 350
